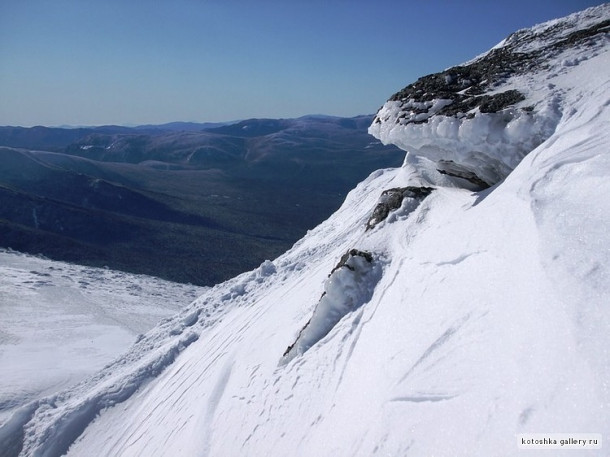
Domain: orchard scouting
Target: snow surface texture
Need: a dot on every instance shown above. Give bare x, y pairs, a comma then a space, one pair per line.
60, 323
489, 317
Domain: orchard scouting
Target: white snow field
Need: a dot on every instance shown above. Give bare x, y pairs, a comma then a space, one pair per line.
60, 323
483, 315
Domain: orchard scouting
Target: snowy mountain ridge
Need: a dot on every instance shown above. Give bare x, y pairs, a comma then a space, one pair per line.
456, 321
479, 120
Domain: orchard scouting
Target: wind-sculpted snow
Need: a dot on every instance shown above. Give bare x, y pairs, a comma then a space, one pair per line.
488, 319
349, 286
486, 115
489, 145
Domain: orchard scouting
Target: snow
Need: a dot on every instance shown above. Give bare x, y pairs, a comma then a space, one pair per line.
349, 286
483, 316
492, 144
556, 29
60, 323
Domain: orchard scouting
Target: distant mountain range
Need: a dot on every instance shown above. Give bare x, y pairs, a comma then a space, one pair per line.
187, 202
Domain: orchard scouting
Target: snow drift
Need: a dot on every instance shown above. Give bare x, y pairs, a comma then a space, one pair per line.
487, 317
349, 286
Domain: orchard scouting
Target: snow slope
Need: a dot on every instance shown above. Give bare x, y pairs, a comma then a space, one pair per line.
60, 323
482, 315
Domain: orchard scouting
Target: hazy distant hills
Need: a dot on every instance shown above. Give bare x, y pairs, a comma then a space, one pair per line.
188, 202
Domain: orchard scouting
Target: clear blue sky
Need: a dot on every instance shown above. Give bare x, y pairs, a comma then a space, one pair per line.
93, 62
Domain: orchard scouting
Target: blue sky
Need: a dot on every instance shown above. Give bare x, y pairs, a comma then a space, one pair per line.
93, 62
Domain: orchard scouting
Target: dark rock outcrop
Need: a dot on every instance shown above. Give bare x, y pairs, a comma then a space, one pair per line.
450, 168
392, 199
466, 87
351, 253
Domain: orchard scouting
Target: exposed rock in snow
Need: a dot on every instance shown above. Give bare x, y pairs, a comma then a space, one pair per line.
450, 168
484, 116
479, 316
344, 262
350, 284
392, 199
